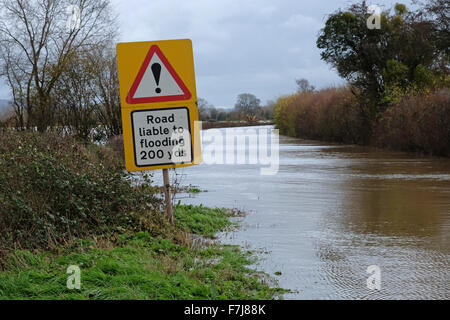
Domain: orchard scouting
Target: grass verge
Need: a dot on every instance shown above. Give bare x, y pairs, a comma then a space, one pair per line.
140, 266
203, 220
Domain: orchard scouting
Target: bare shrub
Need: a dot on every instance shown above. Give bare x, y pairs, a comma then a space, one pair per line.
331, 114
419, 123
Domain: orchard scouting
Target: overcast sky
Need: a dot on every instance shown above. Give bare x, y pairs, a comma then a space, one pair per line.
254, 46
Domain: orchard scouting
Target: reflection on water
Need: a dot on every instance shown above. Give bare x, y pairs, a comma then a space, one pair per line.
332, 211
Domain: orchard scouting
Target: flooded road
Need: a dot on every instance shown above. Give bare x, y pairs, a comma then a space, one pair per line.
332, 211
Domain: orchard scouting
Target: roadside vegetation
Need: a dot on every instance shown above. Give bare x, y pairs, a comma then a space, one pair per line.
66, 203
54, 190
137, 266
204, 220
418, 123
398, 92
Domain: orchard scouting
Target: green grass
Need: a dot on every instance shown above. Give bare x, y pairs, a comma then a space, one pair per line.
190, 189
193, 190
203, 220
138, 266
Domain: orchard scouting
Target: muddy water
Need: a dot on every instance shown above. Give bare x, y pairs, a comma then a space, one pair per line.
332, 211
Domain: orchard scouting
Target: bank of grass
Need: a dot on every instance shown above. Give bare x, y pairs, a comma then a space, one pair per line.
64, 203
194, 190
205, 221
140, 266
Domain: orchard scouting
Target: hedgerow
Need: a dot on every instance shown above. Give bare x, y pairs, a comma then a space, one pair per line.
55, 189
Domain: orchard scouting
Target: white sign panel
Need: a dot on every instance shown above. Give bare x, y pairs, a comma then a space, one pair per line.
161, 136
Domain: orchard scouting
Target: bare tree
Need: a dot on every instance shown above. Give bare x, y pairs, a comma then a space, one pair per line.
107, 92
204, 109
75, 97
247, 104
37, 41
304, 86
19, 83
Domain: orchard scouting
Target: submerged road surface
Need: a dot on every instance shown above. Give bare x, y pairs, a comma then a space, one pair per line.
332, 211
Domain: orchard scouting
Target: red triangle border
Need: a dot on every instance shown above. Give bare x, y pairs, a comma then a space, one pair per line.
154, 49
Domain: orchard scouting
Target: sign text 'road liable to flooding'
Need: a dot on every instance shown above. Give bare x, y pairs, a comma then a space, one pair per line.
162, 136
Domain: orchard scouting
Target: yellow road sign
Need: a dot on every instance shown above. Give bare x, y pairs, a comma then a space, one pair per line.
158, 99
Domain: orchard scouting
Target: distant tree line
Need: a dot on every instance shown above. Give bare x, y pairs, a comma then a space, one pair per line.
247, 108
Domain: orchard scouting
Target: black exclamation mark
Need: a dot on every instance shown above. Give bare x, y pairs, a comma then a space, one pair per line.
156, 70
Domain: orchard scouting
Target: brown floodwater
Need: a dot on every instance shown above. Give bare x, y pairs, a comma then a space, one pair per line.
333, 210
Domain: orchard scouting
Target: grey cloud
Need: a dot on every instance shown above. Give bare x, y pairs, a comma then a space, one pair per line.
256, 46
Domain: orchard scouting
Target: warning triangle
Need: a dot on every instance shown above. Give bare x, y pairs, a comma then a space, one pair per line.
157, 81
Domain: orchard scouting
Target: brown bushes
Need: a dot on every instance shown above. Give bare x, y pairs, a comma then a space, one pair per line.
331, 114
419, 123
115, 143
